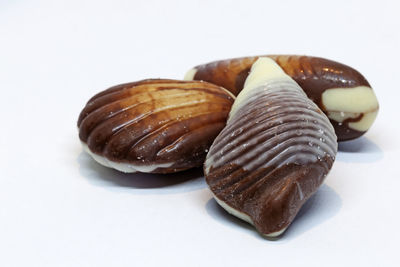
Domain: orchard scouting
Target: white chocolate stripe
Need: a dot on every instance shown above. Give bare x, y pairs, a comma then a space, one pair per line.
124, 167
244, 217
263, 71
269, 137
359, 99
342, 116
287, 118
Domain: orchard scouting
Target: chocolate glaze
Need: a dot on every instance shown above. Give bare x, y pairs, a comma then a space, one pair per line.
341, 129
313, 74
155, 122
273, 154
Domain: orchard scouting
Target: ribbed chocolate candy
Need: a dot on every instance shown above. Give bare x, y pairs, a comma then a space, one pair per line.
274, 152
157, 126
340, 91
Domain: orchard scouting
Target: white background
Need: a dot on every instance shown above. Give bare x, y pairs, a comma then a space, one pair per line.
60, 208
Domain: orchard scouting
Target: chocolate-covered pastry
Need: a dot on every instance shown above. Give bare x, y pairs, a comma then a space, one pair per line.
274, 152
340, 91
157, 126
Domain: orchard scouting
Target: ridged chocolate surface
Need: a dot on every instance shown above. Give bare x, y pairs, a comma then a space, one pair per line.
272, 156
160, 125
313, 74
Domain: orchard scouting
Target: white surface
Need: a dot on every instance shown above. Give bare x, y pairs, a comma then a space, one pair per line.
60, 208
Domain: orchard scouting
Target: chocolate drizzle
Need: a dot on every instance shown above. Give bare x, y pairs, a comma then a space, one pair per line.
274, 153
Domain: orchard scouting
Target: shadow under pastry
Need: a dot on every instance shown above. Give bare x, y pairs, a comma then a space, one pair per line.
360, 150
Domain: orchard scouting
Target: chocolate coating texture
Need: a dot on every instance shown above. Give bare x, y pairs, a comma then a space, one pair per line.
274, 153
157, 125
315, 75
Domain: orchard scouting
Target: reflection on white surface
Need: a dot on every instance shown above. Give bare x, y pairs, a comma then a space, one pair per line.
360, 150
140, 183
322, 206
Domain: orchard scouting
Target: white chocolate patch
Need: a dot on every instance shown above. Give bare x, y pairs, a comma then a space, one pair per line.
236, 213
341, 116
244, 217
123, 167
345, 103
360, 99
190, 74
365, 123
262, 71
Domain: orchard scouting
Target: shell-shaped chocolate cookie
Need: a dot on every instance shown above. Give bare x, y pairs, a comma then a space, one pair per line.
274, 152
156, 125
340, 91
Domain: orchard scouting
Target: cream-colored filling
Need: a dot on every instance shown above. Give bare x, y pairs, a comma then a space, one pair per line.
124, 167
244, 217
344, 103
234, 212
190, 74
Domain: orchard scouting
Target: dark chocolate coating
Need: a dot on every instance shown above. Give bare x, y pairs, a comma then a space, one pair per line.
313, 74
273, 154
155, 122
